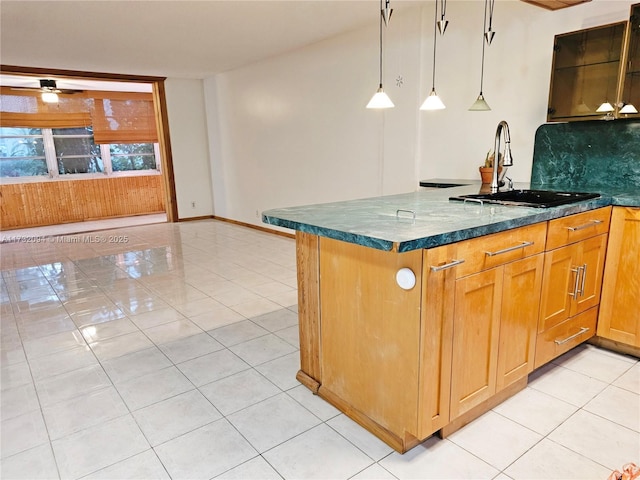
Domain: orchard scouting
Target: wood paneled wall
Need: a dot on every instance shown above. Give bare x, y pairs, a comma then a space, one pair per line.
49, 203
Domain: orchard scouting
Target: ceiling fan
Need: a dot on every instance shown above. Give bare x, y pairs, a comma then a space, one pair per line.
49, 90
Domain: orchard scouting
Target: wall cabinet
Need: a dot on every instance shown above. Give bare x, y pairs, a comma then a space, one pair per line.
631, 85
594, 66
573, 267
619, 318
585, 73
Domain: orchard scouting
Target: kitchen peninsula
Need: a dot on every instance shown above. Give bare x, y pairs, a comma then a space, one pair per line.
499, 290
418, 314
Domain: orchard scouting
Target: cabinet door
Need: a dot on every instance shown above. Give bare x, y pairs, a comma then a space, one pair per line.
438, 289
476, 333
591, 261
519, 319
619, 318
558, 285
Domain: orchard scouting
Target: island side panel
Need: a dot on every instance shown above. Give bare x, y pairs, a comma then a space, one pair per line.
308, 271
371, 337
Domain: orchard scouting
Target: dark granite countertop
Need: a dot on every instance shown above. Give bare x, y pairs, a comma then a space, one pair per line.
388, 223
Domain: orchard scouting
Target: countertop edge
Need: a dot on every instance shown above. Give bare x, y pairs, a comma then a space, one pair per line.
452, 236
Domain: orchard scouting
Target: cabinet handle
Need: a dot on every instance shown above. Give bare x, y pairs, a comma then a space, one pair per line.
413, 213
446, 265
584, 276
582, 330
592, 223
576, 282
510, 249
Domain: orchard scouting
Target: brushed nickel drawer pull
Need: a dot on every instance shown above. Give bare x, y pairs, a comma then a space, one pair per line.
510, 249
582, 330
446, 265
592, 223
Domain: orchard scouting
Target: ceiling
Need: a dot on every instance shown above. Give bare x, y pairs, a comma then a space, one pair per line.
175, 38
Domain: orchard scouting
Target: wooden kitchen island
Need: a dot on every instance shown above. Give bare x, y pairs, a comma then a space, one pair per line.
493, 299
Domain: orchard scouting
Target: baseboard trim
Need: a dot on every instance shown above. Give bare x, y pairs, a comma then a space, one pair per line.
255, 227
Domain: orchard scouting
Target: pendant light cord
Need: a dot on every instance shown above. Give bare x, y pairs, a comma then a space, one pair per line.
443, 8
491, 5
380, 43
483, 41
435, 27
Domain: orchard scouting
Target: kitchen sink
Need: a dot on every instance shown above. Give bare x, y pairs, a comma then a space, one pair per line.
528, 198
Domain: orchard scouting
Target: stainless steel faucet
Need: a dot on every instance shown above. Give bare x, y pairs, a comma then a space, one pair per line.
508, 161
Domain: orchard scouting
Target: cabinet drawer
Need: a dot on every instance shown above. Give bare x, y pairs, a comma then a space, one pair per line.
496, 249
564, 336
566, 230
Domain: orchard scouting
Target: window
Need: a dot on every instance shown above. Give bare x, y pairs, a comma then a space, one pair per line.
70, 152
86, 134
132, 156
22, 152
76, 151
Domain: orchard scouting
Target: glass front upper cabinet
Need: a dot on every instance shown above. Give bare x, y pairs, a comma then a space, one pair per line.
630, 99
596, 72
585, 73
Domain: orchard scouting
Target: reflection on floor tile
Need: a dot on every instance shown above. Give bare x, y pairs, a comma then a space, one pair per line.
175, 356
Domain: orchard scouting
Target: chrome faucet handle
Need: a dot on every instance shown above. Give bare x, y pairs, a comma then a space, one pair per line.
510, 187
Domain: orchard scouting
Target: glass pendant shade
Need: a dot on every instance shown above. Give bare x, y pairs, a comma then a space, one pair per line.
606, 107
49, 97
480, 105
433, 102
380, 100
628, 108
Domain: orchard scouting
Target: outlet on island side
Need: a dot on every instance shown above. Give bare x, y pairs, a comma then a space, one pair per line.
193, 204
257, 214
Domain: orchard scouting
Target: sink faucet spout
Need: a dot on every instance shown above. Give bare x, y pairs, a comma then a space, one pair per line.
503, 128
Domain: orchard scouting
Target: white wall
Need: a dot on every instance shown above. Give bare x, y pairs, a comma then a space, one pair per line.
189, 147
293, 130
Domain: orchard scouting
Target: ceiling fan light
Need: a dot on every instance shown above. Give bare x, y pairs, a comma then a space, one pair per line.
433, 102
605, 107
380, 100
480, 105
628, 108
49, 97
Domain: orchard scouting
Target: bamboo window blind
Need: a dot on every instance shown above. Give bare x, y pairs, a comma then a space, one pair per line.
116, 117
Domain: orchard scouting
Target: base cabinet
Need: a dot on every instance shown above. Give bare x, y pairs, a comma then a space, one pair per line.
406, 363
572, 282
619, 318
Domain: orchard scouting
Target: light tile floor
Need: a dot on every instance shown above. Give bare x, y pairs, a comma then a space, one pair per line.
170, 351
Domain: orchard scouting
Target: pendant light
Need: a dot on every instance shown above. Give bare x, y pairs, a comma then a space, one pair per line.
380, 99
480, 105
433, 101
